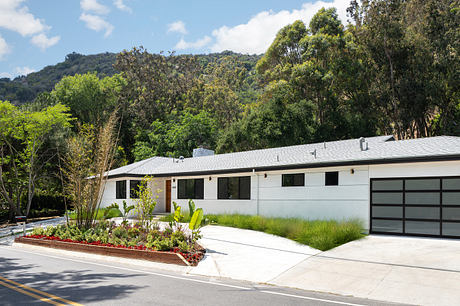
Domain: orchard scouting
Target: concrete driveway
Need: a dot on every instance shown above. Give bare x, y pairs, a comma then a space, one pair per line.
421, 271
248, 255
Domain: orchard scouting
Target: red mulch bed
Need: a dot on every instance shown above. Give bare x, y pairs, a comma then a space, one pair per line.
175, 256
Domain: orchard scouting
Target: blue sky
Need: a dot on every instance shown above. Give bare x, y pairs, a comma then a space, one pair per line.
37, 33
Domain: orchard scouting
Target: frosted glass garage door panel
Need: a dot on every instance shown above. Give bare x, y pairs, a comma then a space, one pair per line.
421, 227
387, 198
387, 185
423, 198
423, 212
423, 184
451, 184
387, 226
451, 198
451, 213
451, 229
387, 212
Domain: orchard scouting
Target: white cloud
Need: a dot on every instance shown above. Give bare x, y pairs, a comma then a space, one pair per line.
200, 43
16, 17
121, 6
23, 70
258, 33
5, 75
4, 48
177, 26
96, 23
42, 41
94, 6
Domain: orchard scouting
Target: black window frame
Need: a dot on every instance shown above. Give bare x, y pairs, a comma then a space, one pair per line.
286, 180
120, 189
134, 189
224, 185
195, 189
331, 178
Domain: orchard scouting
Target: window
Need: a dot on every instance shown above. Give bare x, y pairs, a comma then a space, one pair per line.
134, 189
121, 190
332, 178
297, 179
190, 189
234, 188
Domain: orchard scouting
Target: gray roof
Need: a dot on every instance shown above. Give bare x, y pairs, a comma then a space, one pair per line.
381, 149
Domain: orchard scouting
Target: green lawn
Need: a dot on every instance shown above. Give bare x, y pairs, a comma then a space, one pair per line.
319, 234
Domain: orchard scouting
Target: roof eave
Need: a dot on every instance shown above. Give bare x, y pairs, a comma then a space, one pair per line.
416, 159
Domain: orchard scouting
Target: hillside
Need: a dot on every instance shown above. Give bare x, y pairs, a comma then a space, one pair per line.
25, 88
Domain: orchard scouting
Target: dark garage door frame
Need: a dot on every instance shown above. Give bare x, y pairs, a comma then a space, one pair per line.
397, 205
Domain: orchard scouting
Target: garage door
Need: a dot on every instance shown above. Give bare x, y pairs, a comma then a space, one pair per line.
416, 206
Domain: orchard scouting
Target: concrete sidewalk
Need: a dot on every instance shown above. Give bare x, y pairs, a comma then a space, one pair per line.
7, 234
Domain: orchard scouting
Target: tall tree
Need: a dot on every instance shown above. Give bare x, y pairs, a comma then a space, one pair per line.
177, 136
321, 65
411, 53
91, 100
22, 153
156, 83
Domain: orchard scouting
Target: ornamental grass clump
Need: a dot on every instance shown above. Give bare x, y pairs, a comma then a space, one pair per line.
320, 234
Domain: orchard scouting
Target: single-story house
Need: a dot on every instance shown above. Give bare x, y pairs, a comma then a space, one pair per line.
402, 187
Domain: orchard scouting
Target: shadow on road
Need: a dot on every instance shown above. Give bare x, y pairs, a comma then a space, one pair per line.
82, 286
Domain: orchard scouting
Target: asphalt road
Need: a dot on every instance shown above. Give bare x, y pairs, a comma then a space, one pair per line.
28, 277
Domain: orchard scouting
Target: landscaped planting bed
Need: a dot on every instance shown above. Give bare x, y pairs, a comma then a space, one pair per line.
319, 234
106, 238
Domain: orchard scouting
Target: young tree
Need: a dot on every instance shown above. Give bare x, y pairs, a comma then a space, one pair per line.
89, 157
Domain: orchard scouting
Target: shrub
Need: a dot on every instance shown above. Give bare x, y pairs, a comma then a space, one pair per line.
164, 244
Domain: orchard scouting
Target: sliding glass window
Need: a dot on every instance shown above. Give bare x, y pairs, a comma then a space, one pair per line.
234, 188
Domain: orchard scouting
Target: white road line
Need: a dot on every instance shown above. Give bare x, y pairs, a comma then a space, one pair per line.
310, 298
193, 280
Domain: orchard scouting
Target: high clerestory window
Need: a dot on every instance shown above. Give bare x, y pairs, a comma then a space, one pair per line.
332, 178
294, 179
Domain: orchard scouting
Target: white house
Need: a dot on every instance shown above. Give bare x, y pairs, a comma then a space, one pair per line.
408, 187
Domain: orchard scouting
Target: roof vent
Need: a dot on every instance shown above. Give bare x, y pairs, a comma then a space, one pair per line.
363, 144
198, 152
313, 153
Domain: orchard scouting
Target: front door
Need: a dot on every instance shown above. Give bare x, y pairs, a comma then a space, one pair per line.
168, 196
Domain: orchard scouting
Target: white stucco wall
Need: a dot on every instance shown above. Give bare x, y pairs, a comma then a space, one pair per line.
313, 201
109, 196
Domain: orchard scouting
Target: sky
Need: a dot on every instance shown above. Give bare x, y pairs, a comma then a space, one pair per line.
38, 33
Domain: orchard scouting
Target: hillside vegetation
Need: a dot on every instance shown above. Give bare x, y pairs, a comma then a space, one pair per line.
23, 89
